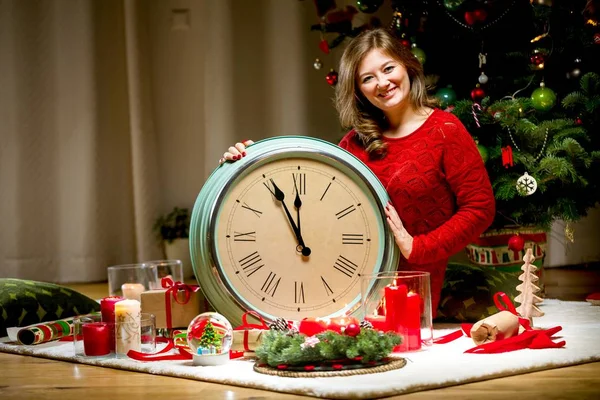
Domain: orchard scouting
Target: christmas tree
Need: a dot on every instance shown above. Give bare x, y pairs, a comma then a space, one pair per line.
527, 296
210, 338
522, 76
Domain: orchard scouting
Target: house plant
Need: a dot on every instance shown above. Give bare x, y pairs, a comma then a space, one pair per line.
172, 231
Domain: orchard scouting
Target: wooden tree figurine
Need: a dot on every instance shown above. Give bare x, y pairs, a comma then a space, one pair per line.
528, 289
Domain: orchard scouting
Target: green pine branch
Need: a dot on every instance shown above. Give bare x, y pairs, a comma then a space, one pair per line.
280, 348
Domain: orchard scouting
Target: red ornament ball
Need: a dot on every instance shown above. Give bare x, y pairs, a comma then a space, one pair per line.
578, 121
476, 16
352, 330
406, 43
537, 59
516, 243
332, 78
477, 94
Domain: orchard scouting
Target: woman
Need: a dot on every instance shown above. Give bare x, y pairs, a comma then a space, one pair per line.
440, 193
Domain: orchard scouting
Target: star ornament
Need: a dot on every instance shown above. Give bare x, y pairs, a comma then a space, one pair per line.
526, 185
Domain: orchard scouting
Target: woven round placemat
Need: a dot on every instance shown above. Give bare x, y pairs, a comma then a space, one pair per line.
394, 363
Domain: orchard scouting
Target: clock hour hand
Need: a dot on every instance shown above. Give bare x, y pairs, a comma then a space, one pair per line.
298, 204
280, 196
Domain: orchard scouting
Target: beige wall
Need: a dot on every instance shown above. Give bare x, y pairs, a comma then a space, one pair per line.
228, 70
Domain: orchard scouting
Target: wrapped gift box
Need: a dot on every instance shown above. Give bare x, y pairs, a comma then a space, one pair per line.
247, 340
175, 306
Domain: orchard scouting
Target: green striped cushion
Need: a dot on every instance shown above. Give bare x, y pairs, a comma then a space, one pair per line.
25, 302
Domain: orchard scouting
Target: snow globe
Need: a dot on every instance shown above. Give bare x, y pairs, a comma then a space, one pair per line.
209, 337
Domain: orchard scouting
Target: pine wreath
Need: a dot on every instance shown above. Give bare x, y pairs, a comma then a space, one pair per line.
281, 350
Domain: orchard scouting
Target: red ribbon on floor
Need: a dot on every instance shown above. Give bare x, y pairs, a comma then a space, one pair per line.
162, 356
530, 339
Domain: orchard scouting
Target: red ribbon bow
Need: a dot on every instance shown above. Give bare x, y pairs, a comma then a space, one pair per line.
530, 339
245, 326
172, 289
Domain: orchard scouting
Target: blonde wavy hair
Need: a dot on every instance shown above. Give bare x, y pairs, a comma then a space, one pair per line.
355, 111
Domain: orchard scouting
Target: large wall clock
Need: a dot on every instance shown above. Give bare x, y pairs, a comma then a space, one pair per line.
288, 230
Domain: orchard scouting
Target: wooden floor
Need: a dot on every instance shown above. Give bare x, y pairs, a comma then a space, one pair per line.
23, 377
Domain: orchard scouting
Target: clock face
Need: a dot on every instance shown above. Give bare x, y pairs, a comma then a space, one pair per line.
289, 230
259, 253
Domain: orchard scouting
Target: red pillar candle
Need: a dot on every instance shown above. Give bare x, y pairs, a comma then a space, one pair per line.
312, 326
107, 309
412, 321
96, 338
395, 303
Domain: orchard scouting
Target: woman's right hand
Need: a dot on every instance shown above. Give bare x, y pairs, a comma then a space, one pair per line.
236, 151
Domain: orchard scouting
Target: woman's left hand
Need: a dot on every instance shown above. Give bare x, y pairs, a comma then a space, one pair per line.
403, 239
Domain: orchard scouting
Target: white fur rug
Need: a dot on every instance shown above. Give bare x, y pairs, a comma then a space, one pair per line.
441, 365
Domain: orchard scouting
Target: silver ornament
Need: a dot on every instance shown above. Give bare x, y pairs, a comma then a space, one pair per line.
483, 78
318, 64
526, 185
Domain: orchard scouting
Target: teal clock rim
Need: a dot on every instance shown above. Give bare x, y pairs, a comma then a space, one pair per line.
206, 209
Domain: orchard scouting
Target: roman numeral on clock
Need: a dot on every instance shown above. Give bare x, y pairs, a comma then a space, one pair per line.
244, 236
271, 284
327, 287
251, 263
326, 189
255, 211
345, 211
299, 292
299, 182
345, 266
353, 238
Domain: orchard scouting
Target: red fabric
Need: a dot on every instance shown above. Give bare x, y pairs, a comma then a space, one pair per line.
437, 182
530, 339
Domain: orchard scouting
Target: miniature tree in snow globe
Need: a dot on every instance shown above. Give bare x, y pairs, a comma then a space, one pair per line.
209, 337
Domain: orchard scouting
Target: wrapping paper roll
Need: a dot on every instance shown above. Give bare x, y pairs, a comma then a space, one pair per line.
46, 331
499, 326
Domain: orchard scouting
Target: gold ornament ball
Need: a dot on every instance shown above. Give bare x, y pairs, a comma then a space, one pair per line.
318, 64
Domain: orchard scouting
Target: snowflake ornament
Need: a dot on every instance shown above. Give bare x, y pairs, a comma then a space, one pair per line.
526, 185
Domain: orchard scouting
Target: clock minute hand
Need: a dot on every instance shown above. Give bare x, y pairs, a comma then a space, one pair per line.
280, 196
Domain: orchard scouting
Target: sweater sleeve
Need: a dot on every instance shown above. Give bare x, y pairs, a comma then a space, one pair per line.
475, 205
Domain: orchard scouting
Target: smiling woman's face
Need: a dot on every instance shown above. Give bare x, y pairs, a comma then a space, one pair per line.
383, 81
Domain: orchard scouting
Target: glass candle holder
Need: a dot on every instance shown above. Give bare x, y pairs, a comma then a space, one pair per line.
92, 337
135, 334
172, 268
130, 280
400, 301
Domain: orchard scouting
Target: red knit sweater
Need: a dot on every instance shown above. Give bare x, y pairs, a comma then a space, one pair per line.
437, 182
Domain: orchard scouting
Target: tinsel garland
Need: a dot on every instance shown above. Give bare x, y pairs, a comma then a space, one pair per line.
280, 349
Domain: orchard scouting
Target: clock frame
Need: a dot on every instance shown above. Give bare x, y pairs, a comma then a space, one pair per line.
243, 243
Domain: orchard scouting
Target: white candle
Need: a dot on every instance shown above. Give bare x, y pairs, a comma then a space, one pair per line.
127, 326
132, 291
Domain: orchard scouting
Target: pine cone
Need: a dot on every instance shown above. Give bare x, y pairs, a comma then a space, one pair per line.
293, 331
366, 325
280, 324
